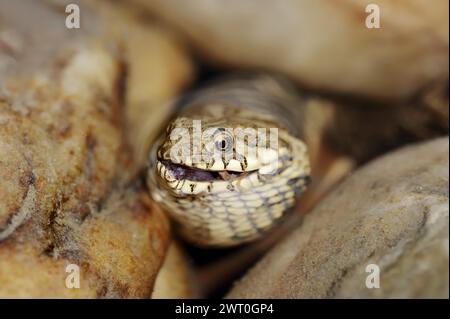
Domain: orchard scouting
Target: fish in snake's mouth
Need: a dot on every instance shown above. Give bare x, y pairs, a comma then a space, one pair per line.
181, 172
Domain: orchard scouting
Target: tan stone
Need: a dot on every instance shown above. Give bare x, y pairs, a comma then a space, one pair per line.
176, 278
322, 44
67, 194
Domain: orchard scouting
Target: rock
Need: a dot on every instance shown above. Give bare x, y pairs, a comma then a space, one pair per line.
158, 69
393, 213
118, 251
175, 279
322, 44
66, 192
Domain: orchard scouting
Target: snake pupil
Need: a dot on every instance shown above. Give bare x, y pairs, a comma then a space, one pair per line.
221, 145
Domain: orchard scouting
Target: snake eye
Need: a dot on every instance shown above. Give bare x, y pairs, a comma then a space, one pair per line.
224, 142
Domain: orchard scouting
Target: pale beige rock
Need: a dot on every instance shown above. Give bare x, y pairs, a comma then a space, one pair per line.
322, 44
393, 212
158, 69
176, 278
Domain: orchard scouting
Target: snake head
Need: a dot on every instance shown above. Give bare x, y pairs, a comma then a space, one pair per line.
228, 167
220, 153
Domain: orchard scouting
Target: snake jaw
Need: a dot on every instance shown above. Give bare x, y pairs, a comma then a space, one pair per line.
169, 170
184, 180
184, 176
248, 161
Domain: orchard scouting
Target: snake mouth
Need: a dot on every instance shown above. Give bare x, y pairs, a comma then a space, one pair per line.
181, 172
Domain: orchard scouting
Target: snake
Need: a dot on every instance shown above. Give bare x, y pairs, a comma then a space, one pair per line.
232, 161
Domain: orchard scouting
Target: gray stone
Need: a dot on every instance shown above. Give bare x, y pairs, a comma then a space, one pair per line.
393, 213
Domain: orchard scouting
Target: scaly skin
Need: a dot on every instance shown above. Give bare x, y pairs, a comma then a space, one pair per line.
218, 192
